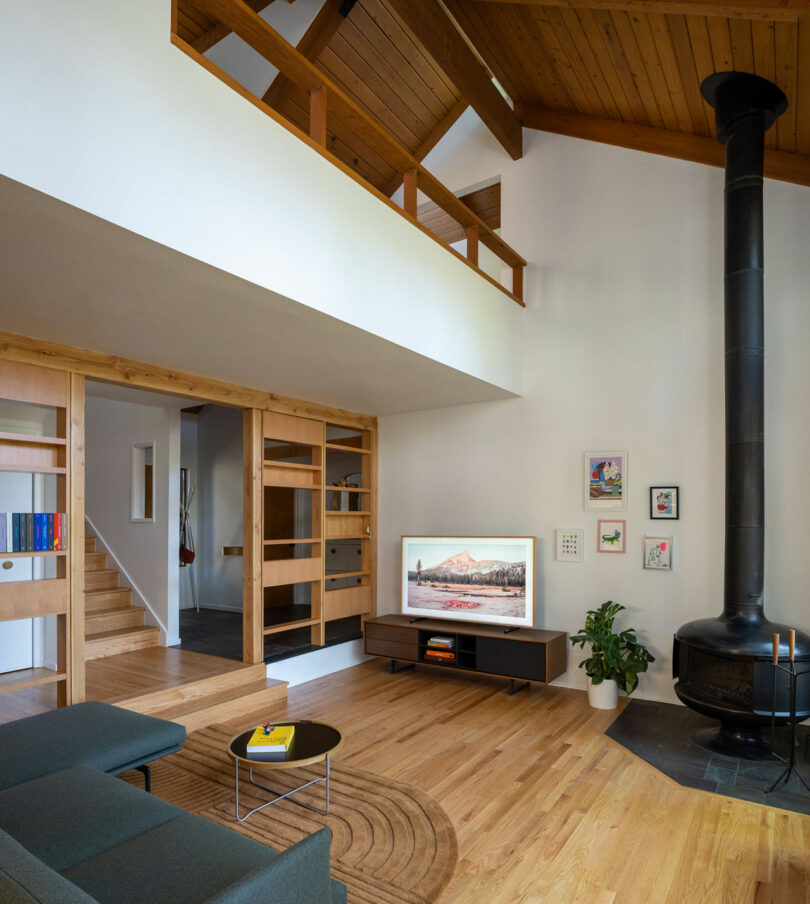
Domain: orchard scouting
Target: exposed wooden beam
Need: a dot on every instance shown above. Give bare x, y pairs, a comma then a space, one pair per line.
436, 32
218, 31
729, 9
274, 48
113, 369
315, 39
430, 142
780, 165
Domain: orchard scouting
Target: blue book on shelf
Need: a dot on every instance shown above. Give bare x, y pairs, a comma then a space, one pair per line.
37, 532
15, 540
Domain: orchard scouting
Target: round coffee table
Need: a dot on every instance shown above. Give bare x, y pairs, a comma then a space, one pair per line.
311, 743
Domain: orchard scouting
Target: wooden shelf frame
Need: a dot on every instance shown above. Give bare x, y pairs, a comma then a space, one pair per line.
61, 455
326, 96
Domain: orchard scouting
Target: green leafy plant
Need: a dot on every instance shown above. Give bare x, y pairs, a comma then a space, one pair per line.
613, 656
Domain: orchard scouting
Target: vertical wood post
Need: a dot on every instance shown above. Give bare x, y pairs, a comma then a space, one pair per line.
318, 528
253, 539
409, 192
317, 115
75, 464
472, 244
517, 282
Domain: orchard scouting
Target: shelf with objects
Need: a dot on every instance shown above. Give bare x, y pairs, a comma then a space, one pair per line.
349, 507
41, 474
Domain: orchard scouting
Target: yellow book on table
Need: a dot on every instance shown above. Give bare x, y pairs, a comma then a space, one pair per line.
276, 740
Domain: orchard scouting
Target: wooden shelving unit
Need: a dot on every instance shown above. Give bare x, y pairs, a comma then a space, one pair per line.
60, 595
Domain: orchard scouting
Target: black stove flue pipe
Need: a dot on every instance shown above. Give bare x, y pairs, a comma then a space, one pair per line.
746, 107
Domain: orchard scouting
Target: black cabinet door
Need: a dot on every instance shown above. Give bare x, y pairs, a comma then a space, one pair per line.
513, 658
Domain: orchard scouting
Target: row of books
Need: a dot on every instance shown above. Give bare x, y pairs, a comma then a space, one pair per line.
441, 649
33, 532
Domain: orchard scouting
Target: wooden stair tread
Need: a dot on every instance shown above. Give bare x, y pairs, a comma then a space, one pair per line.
226, 696
124, 632
112, 610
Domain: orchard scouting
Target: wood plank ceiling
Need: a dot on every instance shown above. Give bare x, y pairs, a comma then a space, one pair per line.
623, 71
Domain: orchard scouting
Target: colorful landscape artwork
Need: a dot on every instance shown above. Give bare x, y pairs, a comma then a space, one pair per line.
606, 480
471, 578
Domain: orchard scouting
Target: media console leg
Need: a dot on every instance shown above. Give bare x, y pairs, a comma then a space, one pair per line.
513, 690
394, 668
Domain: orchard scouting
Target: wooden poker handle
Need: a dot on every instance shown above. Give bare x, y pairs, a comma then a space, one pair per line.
792, 643
775, 649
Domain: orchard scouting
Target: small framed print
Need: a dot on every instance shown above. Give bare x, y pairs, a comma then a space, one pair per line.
665, 503
606, 481
610, 536
658, 553
569, 545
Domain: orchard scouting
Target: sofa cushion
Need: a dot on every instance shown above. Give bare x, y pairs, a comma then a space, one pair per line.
69, 816
26, 880
85, 734
300, 875
185, 861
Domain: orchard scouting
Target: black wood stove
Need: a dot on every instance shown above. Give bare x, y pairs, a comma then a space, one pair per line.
723, 665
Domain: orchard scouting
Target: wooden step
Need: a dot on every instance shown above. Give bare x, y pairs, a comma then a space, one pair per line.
110, 643
265, 694
101, 580
101, 620
155, 703
116, 598
95, 561
89, 543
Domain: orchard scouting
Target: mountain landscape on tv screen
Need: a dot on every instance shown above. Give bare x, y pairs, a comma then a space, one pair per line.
460, 582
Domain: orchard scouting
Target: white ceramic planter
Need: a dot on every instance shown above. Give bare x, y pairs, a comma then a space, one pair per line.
604, 695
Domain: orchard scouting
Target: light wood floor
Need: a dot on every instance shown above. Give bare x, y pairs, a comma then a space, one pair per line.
546, 808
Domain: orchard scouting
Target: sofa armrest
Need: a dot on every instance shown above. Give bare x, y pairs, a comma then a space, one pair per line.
299, 875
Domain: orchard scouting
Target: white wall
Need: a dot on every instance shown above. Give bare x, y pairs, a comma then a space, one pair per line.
218, 500
188, 460
147, 550
624, 351
109, 116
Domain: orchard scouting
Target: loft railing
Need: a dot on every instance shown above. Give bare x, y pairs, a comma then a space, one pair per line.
324, 94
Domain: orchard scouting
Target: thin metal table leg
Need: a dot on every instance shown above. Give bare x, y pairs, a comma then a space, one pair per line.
315, 781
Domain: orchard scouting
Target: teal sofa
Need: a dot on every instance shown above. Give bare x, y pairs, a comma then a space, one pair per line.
71, 833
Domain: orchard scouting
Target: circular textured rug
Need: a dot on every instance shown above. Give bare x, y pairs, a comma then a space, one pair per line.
391, 842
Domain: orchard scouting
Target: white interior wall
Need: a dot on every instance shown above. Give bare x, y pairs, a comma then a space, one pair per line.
218, 500
148, 550
624, 351
118, 145
188, 460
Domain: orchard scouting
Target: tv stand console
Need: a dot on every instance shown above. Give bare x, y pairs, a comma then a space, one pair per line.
527, 655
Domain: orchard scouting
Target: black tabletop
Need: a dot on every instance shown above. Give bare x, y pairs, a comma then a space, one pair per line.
311, 739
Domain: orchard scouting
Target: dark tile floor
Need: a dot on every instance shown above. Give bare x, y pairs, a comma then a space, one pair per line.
219, 633
663, 735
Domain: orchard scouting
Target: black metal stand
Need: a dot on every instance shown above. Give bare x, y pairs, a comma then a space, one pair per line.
394, 668
412, 620
790, 759
510, 630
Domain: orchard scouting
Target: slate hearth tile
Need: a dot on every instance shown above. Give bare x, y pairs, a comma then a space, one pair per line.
723, 775
757, 797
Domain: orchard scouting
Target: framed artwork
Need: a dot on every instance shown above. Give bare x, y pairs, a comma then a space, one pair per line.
606, 481
569, 545
665, 503
658, 553
610, 536
481, 579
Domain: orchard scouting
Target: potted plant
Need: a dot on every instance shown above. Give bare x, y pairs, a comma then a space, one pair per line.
616, 659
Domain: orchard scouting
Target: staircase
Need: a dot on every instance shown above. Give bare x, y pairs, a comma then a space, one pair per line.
112, 625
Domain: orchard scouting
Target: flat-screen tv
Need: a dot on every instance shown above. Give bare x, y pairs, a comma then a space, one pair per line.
481, 579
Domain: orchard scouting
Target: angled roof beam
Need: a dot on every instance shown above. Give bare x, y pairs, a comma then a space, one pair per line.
787, 10
219, 31
436, 32
780, 165
315, 39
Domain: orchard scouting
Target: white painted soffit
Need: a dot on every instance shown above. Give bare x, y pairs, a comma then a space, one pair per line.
74, 278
